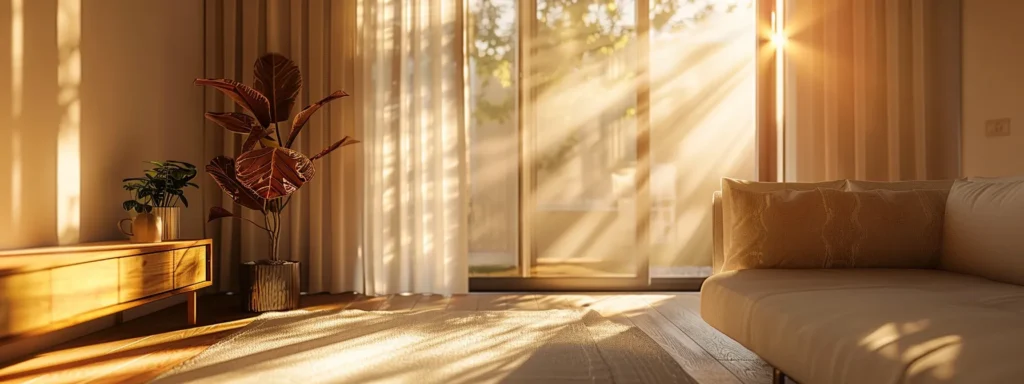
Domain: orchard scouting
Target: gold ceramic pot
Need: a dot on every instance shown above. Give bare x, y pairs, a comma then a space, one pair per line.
171, 219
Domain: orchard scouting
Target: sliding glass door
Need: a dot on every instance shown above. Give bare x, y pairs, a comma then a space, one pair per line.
575, 178
584, 140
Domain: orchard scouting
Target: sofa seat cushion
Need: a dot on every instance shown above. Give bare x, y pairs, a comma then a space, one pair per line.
872, 325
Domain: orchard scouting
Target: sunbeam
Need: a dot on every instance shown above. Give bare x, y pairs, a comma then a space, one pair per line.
580, 130
17, 98
69, 79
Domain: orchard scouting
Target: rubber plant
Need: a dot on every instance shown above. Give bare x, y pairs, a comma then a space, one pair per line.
267, 172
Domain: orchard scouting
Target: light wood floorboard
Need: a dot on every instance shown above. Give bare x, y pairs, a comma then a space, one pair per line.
751, 371
681, 312
691, 356
463, 302
399, 303
141, 349
431, 302
502, 302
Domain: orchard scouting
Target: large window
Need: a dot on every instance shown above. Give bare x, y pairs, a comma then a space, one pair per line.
567, 164
494, 161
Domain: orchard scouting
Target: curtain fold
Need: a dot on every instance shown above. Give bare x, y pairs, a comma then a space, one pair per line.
872, 89
385, 216
416, 212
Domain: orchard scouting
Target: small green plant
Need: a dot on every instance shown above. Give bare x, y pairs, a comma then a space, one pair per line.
162, 186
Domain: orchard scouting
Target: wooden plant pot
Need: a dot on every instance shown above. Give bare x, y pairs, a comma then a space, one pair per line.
269, 287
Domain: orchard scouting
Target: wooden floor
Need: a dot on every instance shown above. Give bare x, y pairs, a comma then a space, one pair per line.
141, 349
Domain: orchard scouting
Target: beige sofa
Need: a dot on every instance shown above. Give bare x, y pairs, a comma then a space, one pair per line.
859, 282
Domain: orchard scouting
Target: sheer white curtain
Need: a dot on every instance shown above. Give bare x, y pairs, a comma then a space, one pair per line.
416, 211
385, 216
872, 89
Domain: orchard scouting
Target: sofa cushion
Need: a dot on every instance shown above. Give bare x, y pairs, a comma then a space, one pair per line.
717, 245
984, 230
1003, 179
732, 186
872, 325
827, 228
862, 185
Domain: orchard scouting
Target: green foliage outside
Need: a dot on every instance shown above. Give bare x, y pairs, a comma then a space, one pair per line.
559, 24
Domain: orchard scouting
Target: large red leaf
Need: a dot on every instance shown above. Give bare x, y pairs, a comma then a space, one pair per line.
253, 138
222, 169
242, 123
251, 100
279, 79
303, 116
273, 172
340, 143
218, 213
233, 121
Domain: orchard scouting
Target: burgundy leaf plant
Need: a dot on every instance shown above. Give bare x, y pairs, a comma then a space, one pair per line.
266, 173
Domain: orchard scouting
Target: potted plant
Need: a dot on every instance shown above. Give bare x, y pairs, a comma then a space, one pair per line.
267, 171
159, 191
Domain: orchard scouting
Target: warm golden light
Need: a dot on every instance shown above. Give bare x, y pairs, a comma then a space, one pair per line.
918, 343
778, 31
17, 95
779, 38
17, 55
69, 79
584, 135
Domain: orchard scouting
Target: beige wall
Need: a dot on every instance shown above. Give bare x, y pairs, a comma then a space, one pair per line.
135, 100
993, 86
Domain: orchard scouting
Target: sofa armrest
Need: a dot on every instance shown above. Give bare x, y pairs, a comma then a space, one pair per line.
717, 243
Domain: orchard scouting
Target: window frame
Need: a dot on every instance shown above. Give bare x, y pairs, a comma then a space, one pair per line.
765, 148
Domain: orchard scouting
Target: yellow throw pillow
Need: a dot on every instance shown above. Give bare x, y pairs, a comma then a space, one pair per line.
826, 228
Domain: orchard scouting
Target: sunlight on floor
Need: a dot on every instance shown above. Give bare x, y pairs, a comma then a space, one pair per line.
115, 358
489, 346
357, 346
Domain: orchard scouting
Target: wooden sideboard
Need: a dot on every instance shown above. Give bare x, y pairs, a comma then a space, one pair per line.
44, 289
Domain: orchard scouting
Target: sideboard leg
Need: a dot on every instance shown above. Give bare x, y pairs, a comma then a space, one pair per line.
778, 377
193, 298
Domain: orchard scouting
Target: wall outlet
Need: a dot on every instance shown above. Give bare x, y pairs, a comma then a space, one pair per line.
997, 127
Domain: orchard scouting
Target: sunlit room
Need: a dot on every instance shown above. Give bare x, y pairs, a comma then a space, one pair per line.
512, 191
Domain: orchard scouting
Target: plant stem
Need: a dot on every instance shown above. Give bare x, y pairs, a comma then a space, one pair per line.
277, 234
277, 131
273, 220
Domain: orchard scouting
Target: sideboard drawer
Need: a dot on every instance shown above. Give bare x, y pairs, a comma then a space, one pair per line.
84, 287
144, 275
189, 266
24, 302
